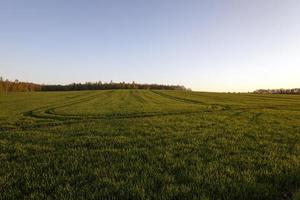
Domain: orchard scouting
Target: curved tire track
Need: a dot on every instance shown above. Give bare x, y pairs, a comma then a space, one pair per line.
50, 113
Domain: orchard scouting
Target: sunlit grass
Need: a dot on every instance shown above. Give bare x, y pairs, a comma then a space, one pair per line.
142, 144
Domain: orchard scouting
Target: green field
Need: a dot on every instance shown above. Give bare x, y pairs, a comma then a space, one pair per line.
143, 144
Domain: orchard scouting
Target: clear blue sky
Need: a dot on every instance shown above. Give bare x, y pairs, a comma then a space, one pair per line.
232, 45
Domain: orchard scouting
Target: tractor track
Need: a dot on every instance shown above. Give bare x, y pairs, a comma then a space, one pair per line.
57, 119
49, 112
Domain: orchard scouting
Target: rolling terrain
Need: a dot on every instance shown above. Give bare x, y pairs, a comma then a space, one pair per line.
149, 144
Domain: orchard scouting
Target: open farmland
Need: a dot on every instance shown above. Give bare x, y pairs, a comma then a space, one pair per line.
144, 144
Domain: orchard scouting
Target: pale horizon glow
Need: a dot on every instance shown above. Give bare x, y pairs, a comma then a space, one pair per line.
212, 45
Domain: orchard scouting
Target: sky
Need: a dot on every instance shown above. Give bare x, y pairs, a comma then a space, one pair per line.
212, 45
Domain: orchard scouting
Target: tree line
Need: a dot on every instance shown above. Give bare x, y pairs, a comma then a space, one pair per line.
109, 86
278, 91
17, 86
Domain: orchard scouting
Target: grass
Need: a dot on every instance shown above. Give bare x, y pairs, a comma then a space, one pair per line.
142, 144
